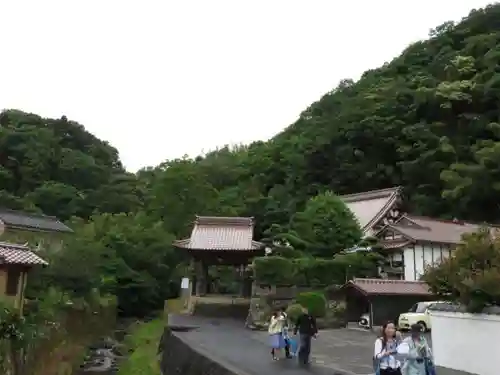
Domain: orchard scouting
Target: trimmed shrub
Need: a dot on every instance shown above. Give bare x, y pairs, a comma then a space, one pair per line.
277, 270
315, 302
274, 270
316, 272
293, 311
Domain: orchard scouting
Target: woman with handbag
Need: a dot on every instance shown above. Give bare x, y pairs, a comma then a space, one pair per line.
385, 351
417, 352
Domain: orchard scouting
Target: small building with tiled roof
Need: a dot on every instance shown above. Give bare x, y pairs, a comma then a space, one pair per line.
19, 220
220, 241
385, 287
383, 300
21, 234
15, 263
413, 243
376, 208
36, 230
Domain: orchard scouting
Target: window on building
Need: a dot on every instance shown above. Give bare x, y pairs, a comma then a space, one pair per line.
13, 276
419, 308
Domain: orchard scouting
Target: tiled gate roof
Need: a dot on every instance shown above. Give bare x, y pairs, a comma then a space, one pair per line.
221, 233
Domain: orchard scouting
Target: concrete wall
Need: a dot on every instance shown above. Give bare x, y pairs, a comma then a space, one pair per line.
178, 358
465, 343
221, 310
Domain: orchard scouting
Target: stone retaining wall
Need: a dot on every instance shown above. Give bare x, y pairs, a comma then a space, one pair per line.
179, 358
218, 310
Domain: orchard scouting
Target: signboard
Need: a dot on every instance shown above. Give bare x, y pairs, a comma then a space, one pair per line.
185, 283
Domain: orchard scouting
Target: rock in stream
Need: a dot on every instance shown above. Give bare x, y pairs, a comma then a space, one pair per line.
103, 358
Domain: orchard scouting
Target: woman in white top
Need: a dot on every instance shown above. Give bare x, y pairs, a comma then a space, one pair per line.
385, 351
275, 330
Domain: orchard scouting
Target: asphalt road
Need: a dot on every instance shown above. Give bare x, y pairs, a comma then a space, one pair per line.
341, 351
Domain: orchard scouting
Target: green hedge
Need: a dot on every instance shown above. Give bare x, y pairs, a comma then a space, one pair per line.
315, 302
276, 270
293, 311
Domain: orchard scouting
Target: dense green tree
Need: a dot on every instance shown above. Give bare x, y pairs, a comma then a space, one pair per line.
326, 225
57, 167
128, 256
472, 275
419, 121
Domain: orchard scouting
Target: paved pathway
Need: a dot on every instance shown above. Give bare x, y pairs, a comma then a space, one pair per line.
339, 351
334, 352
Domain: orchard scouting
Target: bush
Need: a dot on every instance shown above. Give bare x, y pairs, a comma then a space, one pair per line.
274, 270
293, 311
316, 272
315, 302
472, 276
337, 310
277, 270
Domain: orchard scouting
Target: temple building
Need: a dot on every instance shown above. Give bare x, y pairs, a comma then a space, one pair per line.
411, 243
375, 208
414, 243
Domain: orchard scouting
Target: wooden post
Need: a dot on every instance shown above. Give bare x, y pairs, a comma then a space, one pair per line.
242, 278
205, 277
371, 315
202, 279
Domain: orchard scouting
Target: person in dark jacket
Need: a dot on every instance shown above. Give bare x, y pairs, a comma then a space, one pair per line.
307, 329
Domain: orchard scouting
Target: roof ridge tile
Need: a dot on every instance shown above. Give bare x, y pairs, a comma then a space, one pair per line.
371, 194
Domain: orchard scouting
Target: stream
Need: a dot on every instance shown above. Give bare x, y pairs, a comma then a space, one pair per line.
104, 356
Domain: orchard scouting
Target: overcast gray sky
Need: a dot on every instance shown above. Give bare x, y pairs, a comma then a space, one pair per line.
160, 79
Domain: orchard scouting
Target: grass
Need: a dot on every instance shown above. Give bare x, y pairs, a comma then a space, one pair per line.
143, 341
173, 306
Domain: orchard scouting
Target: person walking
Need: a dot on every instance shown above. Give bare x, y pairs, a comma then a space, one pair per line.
307, 329
275, 331
385, 351
417, 352
284, 332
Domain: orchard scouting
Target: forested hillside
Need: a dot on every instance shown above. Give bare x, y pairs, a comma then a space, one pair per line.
59, 168
429, 121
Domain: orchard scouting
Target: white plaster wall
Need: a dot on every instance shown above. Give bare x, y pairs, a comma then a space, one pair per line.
409, 264
466, 342
424, 255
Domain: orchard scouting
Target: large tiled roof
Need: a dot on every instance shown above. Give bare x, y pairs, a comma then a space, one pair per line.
221, 233
24, 220
427, 229
19, 254
389, 287
371, 206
